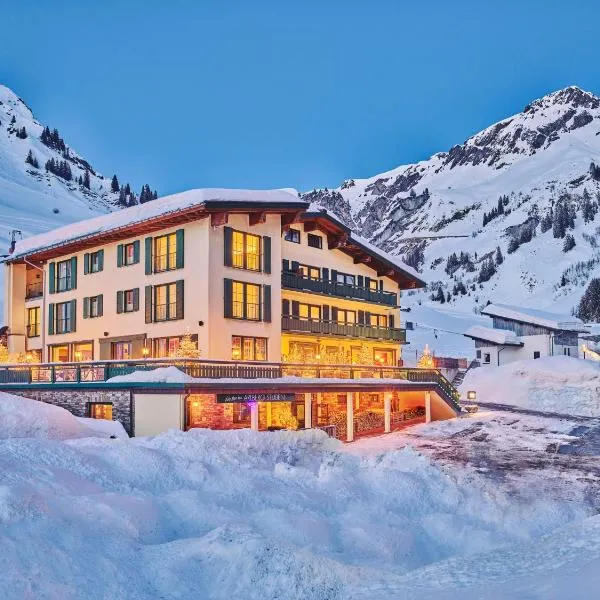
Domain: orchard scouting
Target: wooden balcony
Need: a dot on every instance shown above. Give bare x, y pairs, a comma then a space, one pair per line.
295, 281
354, 330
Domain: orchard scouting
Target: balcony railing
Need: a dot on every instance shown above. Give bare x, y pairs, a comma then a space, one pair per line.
354, 330
34, 290
101, 371
295, 281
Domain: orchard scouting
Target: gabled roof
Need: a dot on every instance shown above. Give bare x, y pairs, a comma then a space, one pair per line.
496, 337
341, 237
553, 321
152, 216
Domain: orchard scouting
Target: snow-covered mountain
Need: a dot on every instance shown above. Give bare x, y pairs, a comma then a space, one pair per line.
527, 185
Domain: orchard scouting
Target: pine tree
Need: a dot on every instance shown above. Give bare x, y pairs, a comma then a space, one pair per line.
122, 197
86, 179
559, 221
589, 305
499, 257
22, 133
32, 160
569, 242
114, 184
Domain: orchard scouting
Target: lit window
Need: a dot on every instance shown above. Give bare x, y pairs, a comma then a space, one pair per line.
292, 235
129, 301
248, 348
245, 251
33, 322
165, 253
346, 317
309, 272
83, 352
309, 311
129, 254
121, 350
378, 321
101, 411
245, 301
63, 317
165, 302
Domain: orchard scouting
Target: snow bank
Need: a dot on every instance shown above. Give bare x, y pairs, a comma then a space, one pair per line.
160, 375
554, 384
25, 418
496, 336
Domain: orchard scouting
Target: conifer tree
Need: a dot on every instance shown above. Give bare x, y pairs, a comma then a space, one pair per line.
86, 179
589, 305
499, 257
114, 184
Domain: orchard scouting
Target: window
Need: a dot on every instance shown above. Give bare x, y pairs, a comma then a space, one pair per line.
121, 350
248, 348
83, 351
96, 262
312, 312
486, 358
309, 272
378, 321
166, 346
292, 235
345, 278
64, 276
59, 353
346, 317
165, 302
165, 253
373, 284
315, 241
567, 351
382, 356
93, 307
536, 354
33, 322
101, 410
130, 256
478, 354
64, 321
129, 300
303, 352
246, 301
241, 413
245, 251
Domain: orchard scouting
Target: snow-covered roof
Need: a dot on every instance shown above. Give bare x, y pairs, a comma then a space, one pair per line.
498, 337
535, 317
150, 210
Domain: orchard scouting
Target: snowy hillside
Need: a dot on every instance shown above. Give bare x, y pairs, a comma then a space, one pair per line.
530, 178
33, 199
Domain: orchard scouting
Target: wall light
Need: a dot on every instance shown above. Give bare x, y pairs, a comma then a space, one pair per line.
471, 395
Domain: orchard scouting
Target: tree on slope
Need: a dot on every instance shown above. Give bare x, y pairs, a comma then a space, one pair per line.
569, 243
114, 184
589, 305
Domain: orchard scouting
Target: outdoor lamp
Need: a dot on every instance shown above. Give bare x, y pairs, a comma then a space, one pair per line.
472, 395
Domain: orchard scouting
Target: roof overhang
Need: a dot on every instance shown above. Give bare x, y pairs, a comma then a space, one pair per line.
492, 343
339, 237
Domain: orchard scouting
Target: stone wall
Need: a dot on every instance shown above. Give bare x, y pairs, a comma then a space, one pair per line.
77, 402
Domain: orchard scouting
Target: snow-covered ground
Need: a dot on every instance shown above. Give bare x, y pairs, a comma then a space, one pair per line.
471, 508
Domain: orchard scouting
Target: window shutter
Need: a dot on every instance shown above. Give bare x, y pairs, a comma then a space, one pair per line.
266, 303
367, 318
120, 253
334, 314
52, 278
381, 285
179, 257
325, 274
101, 305
295, 266
148, 301
120, 302
325, 312
136, 251
228, 298
228, 246
285, 264
101, 260
333, 275
361, 281
148, 257
73, 316
295, 308
179, 304
368, 282
86, 307
361, 317
266, 254
73, 273
86, 263
51, 318
391, 321
285, 307
136, 299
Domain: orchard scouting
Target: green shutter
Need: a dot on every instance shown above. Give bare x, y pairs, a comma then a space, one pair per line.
73, 273
86, 307
101, 305
228, 239
86, 263
325, 312
52, 278
285, 308
120, 302
148, 257
266, 254
368, 283
148, 300
295, 266
136, 299
136, 251
51, 318
285, 265
266, 316
179, 257
73, 316
179, 300
334, 274
120, 253
228, 298
100, 260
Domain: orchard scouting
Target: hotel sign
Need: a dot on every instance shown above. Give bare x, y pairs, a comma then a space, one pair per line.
256, 397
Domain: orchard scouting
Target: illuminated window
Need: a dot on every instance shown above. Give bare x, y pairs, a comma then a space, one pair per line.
248, 348
121, 350
33, 322
309, 272
166, 347
292, 235
312, 312
165, 253
245, 251
83, 352
346, 317
245, 301
384, 356
373, 284
241, 413
59, 354
63, 317
165, 302
378, 321
129, 300
102, 410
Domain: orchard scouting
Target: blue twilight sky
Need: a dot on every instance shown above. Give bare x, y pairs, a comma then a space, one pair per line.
260, 93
